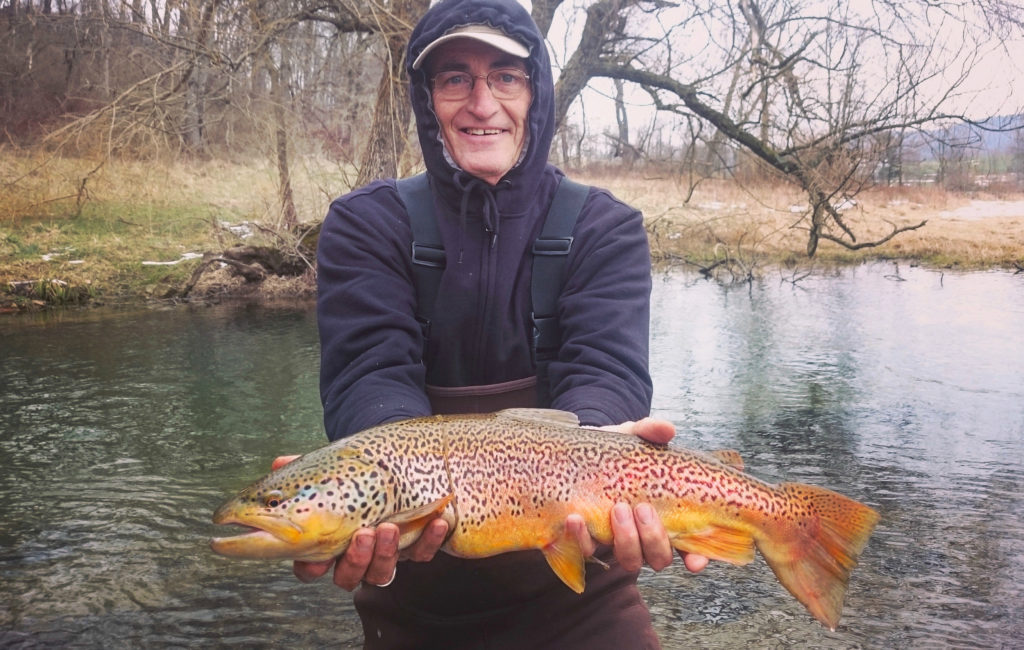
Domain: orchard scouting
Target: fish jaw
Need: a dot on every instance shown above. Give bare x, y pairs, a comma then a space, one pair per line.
317, 539
309, 508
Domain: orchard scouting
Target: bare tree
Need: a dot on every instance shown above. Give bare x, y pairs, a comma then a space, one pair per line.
807, 90
821, 94
392, 111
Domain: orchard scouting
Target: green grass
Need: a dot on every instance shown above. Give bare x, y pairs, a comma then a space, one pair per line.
133, 212
103, 249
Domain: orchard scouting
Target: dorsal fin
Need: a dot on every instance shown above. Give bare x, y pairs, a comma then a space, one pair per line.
730, 457
548, 416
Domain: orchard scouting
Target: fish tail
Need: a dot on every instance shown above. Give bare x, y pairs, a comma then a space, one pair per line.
813, 551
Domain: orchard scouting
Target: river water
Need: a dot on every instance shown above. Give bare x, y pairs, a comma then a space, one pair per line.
120, 432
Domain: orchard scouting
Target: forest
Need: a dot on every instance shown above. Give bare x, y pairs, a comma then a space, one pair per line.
828, 99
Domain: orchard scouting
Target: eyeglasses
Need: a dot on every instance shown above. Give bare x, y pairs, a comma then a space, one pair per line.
507, 83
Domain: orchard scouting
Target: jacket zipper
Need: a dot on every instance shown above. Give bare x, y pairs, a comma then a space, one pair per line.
487, 278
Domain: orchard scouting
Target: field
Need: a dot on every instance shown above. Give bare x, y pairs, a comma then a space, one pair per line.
73, 231
763, 226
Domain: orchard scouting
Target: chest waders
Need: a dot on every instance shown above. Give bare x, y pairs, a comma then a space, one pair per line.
550, 254
513, 600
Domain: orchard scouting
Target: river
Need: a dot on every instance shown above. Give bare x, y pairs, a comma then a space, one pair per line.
122, 430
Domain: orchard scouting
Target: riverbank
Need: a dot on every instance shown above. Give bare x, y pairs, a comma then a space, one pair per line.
763, 226
140, 232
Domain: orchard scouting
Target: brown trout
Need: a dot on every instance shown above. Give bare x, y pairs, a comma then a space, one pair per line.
507, 481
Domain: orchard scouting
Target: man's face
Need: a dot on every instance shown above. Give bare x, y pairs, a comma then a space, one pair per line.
483, 134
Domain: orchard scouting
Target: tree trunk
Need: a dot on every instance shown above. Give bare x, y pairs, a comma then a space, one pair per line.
623, 149
289, 218
387, 139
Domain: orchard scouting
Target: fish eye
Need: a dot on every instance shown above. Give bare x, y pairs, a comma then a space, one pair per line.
273, 498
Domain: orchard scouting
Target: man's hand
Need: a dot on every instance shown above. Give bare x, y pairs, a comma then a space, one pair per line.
638, 534
373, 554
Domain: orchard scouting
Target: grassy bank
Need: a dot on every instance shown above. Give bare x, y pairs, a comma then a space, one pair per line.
72, 230
124, 232
761, 226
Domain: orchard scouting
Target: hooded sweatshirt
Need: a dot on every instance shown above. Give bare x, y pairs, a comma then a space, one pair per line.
374, 368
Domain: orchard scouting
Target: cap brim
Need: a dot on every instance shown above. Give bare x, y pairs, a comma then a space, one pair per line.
491, 37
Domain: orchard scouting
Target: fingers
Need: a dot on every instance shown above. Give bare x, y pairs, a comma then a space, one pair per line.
385, 556
626, 538
652, 430
429, 542
372, 556
640, 537
694, 563
576, 528
657, 550
310, 571
281, 461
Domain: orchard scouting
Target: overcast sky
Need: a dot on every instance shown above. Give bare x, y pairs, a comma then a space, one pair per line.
994, 87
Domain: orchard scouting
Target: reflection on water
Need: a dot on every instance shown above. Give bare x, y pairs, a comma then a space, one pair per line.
120, 433
905, 391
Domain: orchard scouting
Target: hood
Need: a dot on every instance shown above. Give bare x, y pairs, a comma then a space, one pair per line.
510, 17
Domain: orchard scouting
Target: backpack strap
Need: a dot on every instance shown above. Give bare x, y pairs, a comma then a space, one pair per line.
550, 254
428, 257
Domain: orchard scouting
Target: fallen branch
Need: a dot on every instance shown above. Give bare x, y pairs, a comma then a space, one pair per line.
251, 272
870, 244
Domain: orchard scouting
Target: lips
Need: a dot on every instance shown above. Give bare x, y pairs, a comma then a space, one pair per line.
483, 131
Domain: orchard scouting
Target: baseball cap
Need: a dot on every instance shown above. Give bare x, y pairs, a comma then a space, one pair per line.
483, 33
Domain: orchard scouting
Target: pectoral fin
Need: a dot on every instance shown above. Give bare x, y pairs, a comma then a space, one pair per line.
566, 560
731, 545
412, 522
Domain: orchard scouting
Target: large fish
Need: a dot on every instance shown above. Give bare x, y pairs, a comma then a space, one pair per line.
507, 481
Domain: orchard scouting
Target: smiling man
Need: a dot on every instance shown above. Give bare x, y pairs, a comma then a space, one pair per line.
483, 124
483, 97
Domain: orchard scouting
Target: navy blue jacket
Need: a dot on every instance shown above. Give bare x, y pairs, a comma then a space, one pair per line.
372, 370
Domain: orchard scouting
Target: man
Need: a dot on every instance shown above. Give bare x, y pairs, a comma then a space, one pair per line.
483, 97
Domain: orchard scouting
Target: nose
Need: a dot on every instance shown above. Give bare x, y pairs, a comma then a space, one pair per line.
481, 100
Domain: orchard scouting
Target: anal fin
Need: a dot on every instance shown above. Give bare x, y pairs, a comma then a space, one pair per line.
566, 559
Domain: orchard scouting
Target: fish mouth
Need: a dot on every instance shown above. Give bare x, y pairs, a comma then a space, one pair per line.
265, 536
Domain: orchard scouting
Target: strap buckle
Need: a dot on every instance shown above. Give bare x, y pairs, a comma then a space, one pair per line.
552, 245
427, 255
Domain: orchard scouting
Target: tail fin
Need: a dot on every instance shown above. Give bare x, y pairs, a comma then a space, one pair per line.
813, 549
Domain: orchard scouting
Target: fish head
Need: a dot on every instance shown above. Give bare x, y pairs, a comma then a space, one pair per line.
308, 509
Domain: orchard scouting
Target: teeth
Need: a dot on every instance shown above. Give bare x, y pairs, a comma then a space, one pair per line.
483, 131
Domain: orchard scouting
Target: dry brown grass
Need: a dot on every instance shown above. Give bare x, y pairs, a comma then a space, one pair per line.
41, 185
133, 211
130, 211
765, 224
